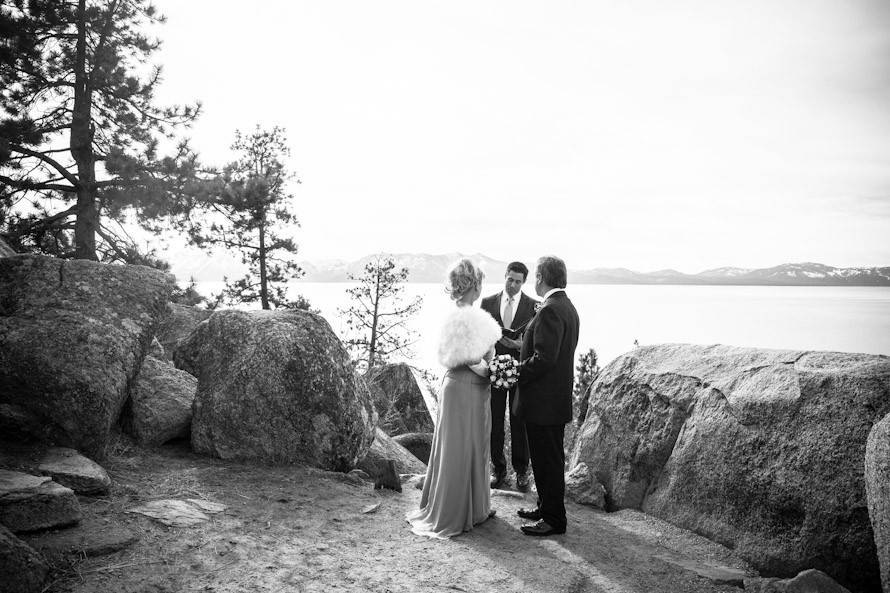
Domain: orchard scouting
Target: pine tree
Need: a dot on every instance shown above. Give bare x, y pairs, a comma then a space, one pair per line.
247, 211
378, 316
80, 130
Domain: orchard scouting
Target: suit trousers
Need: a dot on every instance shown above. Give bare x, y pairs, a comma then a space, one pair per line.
545, 443
518, 439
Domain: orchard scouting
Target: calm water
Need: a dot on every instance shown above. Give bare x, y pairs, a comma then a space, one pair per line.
849, 319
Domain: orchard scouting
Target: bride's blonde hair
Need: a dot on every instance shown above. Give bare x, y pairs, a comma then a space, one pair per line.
463, 277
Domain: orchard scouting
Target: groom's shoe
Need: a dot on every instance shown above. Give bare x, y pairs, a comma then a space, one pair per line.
541, 529
530, 514
522, 481
498, 478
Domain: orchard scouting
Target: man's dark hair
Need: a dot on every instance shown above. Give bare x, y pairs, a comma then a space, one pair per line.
519, 268
552, 271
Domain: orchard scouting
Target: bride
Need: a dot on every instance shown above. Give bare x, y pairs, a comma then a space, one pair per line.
456, 492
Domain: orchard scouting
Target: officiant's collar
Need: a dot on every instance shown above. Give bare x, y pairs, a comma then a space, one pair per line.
552, 292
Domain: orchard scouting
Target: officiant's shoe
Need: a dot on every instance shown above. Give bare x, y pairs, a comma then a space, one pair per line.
498, 479
522, 481
530, 514
541, 529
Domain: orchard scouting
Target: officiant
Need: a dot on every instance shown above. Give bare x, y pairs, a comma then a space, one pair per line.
512, 309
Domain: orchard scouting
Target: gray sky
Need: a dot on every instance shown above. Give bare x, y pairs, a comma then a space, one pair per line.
646, 134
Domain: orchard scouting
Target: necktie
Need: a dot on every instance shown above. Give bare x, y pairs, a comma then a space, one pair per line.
508, 313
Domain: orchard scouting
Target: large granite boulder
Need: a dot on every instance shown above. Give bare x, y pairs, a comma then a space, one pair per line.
276, 386
877, 485
22, 570
178, 325
29, 503
72, 337
761, 450
398, 394
160, 406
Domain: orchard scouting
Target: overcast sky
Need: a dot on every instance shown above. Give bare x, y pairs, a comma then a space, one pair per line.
646, 134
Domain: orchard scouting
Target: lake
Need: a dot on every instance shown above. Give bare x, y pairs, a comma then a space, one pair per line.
847, 319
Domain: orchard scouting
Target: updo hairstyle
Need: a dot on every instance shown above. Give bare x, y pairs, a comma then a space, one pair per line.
463, 277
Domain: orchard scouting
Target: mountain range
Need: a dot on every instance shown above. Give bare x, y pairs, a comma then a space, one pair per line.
432, 268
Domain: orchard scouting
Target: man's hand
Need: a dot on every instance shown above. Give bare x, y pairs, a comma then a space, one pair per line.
508, 343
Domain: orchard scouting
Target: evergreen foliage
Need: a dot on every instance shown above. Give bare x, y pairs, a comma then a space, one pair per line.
80, 130
378, 316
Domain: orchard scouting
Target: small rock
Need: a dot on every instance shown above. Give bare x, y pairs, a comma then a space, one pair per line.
88, 538
29, 503
71, 469
156, 349
808, 581
360, 474
388, 478
418, 443
22, 570
583, 488
178, 513
371, 508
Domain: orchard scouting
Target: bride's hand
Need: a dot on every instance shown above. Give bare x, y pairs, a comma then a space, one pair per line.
489, 355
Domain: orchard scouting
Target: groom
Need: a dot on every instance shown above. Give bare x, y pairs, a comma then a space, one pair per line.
512, 309
544, 396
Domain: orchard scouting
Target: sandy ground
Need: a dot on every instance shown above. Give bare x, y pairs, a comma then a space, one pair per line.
299, 529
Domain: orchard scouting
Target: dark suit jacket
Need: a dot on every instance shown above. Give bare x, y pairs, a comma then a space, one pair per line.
547, 373
525, 310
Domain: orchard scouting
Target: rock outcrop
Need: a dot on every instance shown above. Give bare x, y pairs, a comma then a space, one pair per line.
29, 503
72, 337
177, 325
397, 391
22, 570
72, 470
877, 485
160, 406
761, 450
278, 387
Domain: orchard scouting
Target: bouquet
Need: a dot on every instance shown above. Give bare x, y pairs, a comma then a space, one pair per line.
504, 371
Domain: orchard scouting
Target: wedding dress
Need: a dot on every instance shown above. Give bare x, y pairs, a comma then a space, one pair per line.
456, 492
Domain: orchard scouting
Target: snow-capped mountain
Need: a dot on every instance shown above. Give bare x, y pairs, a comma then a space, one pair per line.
424, 267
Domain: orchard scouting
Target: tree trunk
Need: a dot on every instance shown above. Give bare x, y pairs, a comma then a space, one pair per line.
372, 347
264, 289
81, 145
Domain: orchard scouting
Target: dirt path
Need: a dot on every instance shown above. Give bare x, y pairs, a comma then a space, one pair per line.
299, 529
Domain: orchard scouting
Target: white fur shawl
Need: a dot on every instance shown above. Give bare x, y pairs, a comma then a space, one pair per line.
467, 334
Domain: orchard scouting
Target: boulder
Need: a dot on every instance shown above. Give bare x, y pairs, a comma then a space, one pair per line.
398, 394
72, 470
29, 503
583, 488
177, 325
72, 337
877, 486
383, 450
419, 444
278, 387
760, 450
22, 570
160, 406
